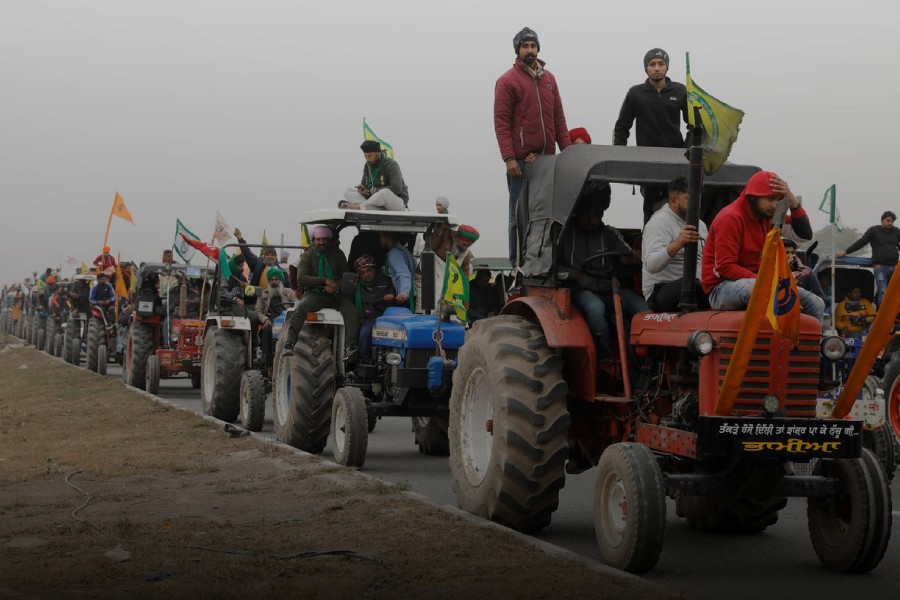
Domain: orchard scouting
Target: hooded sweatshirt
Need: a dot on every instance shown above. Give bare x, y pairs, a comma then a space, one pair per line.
733, 249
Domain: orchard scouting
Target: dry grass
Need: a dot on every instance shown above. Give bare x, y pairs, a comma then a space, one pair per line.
87, 467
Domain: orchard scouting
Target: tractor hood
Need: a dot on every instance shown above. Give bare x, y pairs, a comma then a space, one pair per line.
402, 329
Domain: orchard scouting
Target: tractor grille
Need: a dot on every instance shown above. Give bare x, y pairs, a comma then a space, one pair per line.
418, 358
774, 367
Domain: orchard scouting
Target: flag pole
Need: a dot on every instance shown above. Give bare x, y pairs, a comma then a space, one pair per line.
109, 221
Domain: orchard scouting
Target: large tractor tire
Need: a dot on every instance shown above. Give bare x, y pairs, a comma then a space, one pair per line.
26, 331
41, 341
50, 337
850, 531
95, 331
304, 392
349, 432
223, 364
151, 376
58, 344
137, 351
508, 424
253, 401
102, 359
431, 435
629, 507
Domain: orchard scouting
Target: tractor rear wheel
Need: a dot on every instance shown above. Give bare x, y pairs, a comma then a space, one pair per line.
349, 432
431, 435
41, 341
629, 507
304, 392
223, 364
850, 530
253, 401
508, 424
151, 377
93, 342
138, 350
102, 358
891, 386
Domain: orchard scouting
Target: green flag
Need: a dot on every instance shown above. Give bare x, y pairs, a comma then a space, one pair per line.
184, 250
224, 268
829, 206
720, 123
368, 134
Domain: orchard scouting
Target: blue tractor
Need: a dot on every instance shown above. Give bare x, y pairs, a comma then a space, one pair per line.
322, 391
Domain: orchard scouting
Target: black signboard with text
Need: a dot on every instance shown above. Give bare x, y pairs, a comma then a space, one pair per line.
792, 439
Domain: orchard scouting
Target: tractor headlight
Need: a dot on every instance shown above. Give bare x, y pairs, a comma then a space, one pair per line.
833, 347
771, 404
393, 358
700, 343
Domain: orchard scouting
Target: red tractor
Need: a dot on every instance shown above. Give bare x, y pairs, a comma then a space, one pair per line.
531, 401
165, 336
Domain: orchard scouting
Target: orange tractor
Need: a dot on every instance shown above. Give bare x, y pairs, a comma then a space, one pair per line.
532, 402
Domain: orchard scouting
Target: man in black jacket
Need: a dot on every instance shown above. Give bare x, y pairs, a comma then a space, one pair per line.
884, 239
658, 106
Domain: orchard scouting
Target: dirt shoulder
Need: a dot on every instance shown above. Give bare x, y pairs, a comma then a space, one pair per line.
106, 493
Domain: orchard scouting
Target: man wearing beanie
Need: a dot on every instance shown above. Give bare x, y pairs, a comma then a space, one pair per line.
382, 186
658, 106
528, 118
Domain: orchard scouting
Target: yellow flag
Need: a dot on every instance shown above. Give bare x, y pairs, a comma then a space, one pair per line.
368, 134
121, 288
265, 240
456, 289
84, 268
120, 210
304, 237
720, 123
783, 311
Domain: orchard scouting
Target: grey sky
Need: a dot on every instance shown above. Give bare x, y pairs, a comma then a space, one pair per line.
255, 108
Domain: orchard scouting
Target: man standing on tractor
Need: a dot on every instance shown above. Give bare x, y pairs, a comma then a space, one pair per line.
592, 290
104, 260
884, 239
528, 119
665, 236
274, 300
734, 247
319, 274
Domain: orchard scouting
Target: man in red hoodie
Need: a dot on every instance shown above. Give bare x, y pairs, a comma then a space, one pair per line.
528, 118
733, 249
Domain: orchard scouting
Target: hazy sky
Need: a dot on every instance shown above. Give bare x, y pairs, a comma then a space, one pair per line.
255, 108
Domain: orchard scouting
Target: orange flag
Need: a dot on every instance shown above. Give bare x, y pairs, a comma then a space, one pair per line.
119, 209
783, 311
121, 288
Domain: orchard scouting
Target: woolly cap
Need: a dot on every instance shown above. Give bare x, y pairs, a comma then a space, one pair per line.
656, 53
370, 146
322, 231
523, 36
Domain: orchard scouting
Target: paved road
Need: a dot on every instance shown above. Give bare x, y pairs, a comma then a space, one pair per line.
778, 564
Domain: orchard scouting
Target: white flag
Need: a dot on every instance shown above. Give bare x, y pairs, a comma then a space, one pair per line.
829, 206
184, 250
223, 230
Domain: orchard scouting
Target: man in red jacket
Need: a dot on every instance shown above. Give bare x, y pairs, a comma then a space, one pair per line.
733, 249
528, 118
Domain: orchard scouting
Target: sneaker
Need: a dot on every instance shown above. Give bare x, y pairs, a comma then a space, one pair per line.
288, 349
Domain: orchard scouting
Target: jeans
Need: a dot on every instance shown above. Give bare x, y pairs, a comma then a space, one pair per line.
365, 338
735, 295
515, 187
883, 274
594, 307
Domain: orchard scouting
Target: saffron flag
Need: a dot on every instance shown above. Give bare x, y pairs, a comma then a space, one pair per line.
368, 134
456, 289
121, 288
120, 210
829, 206
207, 249
184, 250
224, 268
720, 123
222, 231
783, 311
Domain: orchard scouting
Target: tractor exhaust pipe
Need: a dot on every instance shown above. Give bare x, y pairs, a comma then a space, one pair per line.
688, 302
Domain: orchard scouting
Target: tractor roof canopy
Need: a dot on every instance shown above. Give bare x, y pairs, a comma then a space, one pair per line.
376, 220
555, 182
